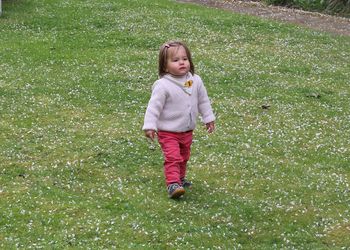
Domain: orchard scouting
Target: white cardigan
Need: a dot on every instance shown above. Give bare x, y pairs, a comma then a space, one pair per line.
173, 109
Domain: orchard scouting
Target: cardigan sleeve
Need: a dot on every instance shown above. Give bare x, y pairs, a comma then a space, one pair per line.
204, 106
155, 107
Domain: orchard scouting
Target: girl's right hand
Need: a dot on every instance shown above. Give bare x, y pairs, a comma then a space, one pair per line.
150, 133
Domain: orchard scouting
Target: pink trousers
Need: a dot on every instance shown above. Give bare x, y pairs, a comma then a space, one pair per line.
176, 149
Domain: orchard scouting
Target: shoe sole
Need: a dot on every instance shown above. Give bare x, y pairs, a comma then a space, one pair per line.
177, 193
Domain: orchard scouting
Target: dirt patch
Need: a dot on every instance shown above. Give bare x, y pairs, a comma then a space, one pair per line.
317, 21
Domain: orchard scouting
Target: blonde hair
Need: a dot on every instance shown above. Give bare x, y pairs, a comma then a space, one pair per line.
163, 56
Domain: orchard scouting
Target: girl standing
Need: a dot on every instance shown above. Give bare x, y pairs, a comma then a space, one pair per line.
177, 99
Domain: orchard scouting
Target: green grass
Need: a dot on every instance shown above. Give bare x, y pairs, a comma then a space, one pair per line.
77, 173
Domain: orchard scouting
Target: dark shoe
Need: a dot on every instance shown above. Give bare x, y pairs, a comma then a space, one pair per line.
175, 190
186, 183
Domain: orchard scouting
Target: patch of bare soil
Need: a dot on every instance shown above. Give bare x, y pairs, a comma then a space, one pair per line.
313, 20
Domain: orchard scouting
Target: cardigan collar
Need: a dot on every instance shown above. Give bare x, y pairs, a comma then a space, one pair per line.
185, 82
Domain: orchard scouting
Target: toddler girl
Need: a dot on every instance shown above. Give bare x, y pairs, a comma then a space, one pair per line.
177, 98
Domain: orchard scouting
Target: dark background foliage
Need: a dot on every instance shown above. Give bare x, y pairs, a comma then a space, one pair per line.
338, 7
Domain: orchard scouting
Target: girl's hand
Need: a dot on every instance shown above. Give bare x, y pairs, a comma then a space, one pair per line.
150, 134
210, 127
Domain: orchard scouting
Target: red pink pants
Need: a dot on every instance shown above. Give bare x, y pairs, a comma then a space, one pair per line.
176, 149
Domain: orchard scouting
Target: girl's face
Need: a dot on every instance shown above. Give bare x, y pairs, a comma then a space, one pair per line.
178, 63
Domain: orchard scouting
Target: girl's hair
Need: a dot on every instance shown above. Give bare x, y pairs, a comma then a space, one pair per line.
164, 55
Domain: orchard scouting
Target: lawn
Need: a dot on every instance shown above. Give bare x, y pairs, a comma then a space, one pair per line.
77, 173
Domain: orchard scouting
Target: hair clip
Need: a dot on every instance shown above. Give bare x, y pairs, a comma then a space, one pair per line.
167, 46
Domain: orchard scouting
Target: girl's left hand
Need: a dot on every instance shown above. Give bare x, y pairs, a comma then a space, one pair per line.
210, 127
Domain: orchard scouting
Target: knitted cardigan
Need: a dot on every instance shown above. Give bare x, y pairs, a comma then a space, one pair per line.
173, 109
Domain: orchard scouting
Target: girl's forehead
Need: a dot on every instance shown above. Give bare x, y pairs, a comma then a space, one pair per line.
177, 51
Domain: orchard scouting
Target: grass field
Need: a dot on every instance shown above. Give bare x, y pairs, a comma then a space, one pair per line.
77, 173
